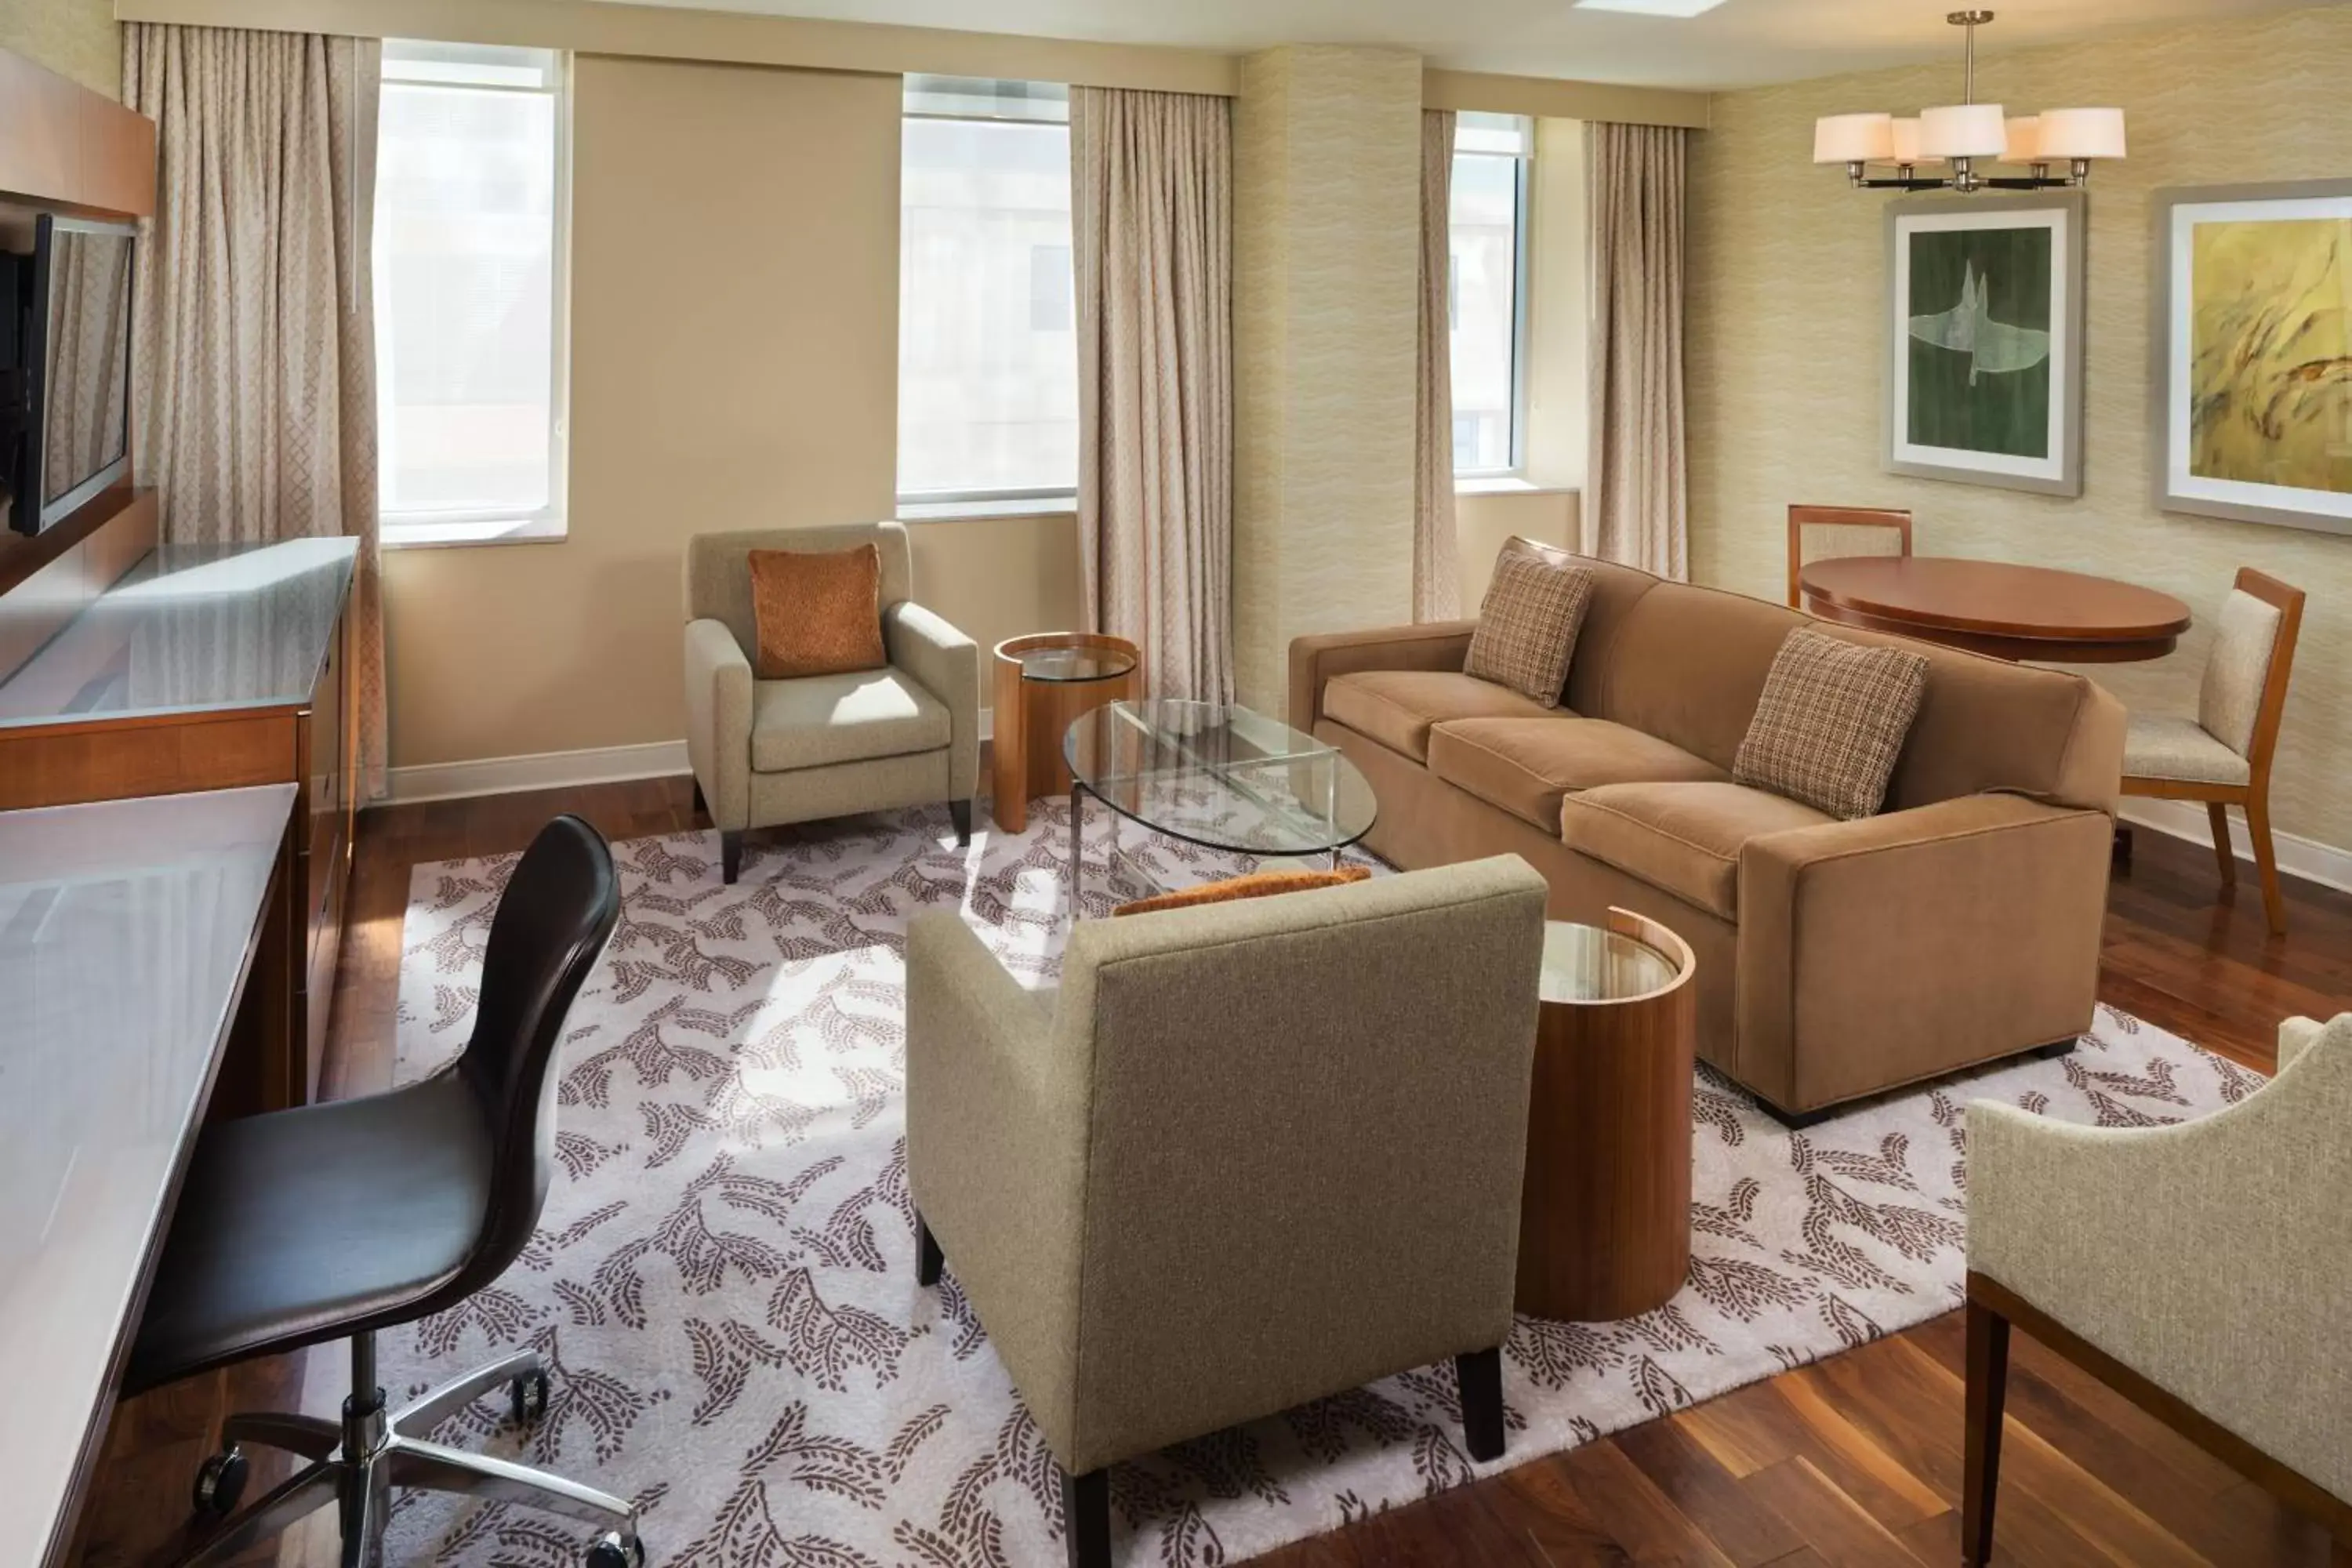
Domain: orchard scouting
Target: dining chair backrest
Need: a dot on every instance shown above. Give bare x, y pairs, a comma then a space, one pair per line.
2243, 691
1850, 531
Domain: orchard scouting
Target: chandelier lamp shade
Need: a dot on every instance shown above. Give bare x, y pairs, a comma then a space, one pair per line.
1942, 148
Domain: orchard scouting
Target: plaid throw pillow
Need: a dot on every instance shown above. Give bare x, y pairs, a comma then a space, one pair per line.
1527, 626
1830, 723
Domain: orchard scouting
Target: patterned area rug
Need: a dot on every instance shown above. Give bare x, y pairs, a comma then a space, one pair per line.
724, 1281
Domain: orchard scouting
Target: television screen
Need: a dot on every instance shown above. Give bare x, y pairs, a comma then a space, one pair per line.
80, 439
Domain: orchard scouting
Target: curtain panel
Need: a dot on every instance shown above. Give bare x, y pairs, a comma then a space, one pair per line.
1151, 214
1436, 575
1637, 473
253, 346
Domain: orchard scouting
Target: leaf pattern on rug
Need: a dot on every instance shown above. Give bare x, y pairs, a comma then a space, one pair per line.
722, 1280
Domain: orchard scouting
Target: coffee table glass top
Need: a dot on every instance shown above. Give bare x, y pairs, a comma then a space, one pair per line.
1586, 963
1075, 664
1220, 776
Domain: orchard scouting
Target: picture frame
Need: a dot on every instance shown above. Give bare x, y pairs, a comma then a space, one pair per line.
1984, 340
2250, 352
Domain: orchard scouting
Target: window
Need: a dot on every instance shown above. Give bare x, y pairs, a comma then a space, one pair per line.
1485, 302
988, 354
470, 244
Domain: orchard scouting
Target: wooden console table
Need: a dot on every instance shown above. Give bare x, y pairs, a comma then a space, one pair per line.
210, 667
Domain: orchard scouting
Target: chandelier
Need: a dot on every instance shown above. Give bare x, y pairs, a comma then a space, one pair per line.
1882, 152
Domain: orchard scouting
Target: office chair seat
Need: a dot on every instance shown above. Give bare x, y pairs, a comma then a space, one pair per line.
314, 1224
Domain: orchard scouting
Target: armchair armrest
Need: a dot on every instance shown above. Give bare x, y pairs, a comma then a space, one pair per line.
2297, 1036
718, 721
1904, 944
1313, 660
997, 1102
947, 664
2212, 1258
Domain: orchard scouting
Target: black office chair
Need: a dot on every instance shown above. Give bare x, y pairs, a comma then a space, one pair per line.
346, 1218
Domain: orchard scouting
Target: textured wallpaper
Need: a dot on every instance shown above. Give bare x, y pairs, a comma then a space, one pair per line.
75, 38
1786, 344
1327, 172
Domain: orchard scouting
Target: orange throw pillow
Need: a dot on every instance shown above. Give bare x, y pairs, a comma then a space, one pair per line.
1256, 885
817, 613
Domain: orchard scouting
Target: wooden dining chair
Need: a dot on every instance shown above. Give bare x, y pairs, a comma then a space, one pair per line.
2223, 755
1881, 522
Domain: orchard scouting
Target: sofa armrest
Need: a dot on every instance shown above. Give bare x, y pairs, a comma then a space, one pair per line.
997, 1101
1313, 660
1896, 947
2213, 1258
947, 663
719, 722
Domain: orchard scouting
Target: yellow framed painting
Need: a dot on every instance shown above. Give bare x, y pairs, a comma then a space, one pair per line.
2252, 346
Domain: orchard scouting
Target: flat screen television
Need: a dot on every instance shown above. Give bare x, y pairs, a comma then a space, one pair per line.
71, 385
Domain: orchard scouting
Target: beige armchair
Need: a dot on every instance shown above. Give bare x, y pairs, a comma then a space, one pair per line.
1251, 1154
2201, 1270
766, 752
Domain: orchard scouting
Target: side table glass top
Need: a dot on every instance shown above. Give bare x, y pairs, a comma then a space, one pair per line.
1588, 964
1075, 664
1220, 776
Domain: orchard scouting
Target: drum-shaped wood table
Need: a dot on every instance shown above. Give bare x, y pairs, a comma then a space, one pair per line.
1043, 682
2027, 612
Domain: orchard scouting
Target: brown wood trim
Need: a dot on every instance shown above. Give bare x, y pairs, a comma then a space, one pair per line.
63, 145
2017, 650
162, 719
47, 768
1801, 517
2291, 1487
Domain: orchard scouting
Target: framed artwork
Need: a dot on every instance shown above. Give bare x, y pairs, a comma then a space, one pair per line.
2252, 341
1984, 340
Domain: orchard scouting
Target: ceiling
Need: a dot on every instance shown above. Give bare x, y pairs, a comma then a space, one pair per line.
1742, 43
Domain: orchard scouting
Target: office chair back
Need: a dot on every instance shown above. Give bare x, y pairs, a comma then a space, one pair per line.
557, 912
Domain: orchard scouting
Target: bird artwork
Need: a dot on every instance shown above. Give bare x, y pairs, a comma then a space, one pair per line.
1992, 347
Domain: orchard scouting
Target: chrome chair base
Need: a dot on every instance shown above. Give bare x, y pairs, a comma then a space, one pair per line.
356, 1462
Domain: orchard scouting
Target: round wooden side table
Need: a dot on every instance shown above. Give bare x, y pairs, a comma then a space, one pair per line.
1043, 682
1604, 1218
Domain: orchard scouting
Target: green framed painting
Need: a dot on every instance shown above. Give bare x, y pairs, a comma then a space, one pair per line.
1984, 363
2252, 344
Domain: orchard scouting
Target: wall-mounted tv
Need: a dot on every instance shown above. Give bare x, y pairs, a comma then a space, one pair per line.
71, 386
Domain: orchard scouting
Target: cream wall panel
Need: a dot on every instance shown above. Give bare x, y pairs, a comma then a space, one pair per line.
735, 316
75, 38
1558, 309
1327, 168
1785, 345
998, 577
1484, 521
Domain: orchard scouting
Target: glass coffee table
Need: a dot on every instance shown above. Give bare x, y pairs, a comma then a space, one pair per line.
1216, 776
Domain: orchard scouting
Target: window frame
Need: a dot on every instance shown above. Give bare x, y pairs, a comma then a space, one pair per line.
442, 527
1016, 500
1522, 234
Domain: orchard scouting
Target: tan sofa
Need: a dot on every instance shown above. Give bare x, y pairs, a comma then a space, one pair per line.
1835, 959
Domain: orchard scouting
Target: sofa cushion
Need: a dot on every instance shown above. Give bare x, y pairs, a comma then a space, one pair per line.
1830, 722
1685, 838
850, 718
1397, 707
1527, 626
1524, 765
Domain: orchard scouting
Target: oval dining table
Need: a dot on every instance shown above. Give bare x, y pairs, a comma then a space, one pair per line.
2025, 612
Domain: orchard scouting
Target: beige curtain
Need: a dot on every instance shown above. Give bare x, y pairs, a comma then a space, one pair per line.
1635, 495
253, 355
1151, 200
1436, 579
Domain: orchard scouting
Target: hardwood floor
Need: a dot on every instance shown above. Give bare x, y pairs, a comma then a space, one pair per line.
1854, 1461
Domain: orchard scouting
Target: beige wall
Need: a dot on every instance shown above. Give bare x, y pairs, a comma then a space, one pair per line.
735, 318
1484, 521
1326, 174
75, 38
1785, 343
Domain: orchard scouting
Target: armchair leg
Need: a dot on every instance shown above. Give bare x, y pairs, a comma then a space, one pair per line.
731, 857
701, 806
2055, 1049
1480, 1374
1981, 1462
960, 811
929, 1259
1086, 1517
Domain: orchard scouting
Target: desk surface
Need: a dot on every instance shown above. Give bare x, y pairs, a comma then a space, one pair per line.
191, 629
126, 932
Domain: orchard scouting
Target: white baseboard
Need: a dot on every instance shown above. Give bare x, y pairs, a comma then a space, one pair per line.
2305, 857
552, 770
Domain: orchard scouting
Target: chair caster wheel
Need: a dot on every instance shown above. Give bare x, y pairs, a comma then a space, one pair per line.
220, 1482
611, 1553
527, 1396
